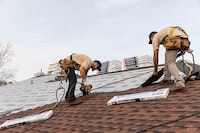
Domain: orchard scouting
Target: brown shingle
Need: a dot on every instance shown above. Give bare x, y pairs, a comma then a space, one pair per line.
179, 112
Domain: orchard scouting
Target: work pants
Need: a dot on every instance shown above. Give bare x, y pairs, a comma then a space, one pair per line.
71, 76
170, 68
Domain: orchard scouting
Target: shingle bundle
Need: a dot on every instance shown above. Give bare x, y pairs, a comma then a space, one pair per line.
110, 66
135, 62
130, 63
144, 61
114, 65
54, 68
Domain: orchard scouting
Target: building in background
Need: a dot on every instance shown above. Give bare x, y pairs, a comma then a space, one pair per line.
39, 74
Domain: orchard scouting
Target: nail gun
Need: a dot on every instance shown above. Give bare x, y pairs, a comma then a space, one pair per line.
86, 89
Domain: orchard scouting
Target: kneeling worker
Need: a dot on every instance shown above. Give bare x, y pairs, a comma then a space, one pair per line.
81, 63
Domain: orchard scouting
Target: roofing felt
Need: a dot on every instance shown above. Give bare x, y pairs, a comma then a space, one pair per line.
179, 112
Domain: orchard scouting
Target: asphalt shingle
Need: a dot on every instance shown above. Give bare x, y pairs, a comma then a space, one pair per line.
36, 92
179, 112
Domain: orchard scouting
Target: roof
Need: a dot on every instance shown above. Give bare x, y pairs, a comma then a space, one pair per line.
36, 92
179, 112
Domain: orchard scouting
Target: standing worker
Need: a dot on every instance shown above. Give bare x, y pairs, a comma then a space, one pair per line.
174, 39
81, 63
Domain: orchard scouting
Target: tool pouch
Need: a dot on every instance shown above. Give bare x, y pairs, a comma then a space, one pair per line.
173, 43
177, 43
65, 64
185, 43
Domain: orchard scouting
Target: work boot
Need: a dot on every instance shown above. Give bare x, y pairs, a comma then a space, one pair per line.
75, 102
165, 82
177, 87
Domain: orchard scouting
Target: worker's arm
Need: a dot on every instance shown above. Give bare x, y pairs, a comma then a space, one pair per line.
83, 74
155, 60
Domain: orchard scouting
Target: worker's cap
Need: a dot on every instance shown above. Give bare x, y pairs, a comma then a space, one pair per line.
99, 64
150, 35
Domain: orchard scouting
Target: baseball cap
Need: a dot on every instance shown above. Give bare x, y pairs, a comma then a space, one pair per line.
99, 64
150, 35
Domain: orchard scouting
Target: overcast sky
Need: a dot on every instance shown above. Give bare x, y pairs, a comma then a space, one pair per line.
43, 31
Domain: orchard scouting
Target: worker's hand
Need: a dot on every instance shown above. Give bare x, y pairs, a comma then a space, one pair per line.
155, 73
84, 82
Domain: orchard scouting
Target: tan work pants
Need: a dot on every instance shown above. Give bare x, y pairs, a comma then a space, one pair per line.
170, 68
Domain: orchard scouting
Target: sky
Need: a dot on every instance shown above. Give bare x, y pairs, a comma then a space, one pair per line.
44, 31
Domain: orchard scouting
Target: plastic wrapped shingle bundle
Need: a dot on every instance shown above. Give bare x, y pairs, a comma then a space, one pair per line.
104, 68
54, 68
144, 61
130, 63
114, 65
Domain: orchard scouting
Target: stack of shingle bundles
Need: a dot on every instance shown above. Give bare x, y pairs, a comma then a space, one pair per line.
104, 68
54, 68
114, 65
144, 61
130, 63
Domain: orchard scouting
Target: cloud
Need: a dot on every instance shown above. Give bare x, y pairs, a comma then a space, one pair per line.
44, 31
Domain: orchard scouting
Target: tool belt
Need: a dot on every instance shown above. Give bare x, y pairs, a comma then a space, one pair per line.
65, 63
177, 43
68, 63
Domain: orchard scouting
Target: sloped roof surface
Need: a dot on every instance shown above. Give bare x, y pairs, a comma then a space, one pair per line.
179, 112
36, 92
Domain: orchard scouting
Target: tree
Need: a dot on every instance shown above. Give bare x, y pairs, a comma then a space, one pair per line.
6, 54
